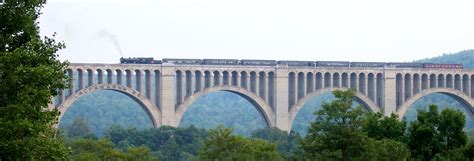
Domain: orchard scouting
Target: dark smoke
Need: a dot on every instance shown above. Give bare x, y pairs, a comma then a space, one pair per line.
113, 39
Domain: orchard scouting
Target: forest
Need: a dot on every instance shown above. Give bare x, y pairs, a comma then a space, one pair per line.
340, 131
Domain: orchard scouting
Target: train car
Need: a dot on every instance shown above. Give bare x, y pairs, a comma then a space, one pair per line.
220, 62
332, 64
404, 65
139, 60
446, 66
249, 62
368, 64
183, 61
296, 63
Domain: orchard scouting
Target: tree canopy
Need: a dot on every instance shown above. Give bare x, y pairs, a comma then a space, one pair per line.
30, 75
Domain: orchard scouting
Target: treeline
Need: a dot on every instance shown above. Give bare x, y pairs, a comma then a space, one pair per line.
338, 132
170, 143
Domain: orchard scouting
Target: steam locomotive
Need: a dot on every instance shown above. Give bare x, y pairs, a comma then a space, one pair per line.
250, 62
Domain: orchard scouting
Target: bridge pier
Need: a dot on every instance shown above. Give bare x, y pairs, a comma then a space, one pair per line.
282, 90
167, 98
389, 95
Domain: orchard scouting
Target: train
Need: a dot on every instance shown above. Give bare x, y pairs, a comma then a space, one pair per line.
289, 63
139, 60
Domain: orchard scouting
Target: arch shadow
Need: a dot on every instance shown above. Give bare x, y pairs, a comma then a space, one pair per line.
359, 97
262, 107
153, 112
456, 94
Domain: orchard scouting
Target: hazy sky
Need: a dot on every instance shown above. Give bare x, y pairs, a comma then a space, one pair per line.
346, 30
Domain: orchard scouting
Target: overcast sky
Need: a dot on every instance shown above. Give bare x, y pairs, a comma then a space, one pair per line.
97, 31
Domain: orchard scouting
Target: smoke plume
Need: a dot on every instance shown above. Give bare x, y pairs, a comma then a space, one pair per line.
113, 39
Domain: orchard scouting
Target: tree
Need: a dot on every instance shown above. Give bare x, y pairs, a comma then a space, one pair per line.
451, 125
79, 129
140, 153
424, 140
88, 149
30, 75
167, 143
469, 151
434, 134
378, 126
286, 143
385, 149
222, 145
336, 133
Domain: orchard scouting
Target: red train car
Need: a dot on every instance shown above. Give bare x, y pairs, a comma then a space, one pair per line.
446, 66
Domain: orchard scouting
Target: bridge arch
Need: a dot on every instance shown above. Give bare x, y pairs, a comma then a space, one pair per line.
152, 111
262, 107
456, 94
359, 97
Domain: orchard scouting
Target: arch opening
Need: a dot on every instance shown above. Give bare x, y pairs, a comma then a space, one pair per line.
305, 115
103, 108
301, 114
443, 100
443, 97
231, 106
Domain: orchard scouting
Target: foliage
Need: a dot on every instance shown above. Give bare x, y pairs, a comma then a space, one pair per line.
378, 126
385, 149
341, 132
336, 133
286, 143
305, 115
222, 145
79, 129
470, 135
103, 149
30, 75
168, 143
433, 133
469, 151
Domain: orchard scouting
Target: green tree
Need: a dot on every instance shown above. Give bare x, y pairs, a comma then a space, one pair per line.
89, 149
451, 124
30, 75
79, 129
286, 143
336, 133
469, 151
385, 149
141, 153
424, 140
222, 145
167, 143
378, 126
434, 134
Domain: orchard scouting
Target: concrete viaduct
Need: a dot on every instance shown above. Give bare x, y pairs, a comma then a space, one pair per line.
166, 91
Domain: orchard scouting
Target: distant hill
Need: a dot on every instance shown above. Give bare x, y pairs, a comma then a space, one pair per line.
466, 58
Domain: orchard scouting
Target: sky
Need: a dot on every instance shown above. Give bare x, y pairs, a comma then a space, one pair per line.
102, 31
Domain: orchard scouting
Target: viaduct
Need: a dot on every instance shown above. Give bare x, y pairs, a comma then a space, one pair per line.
166, 91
